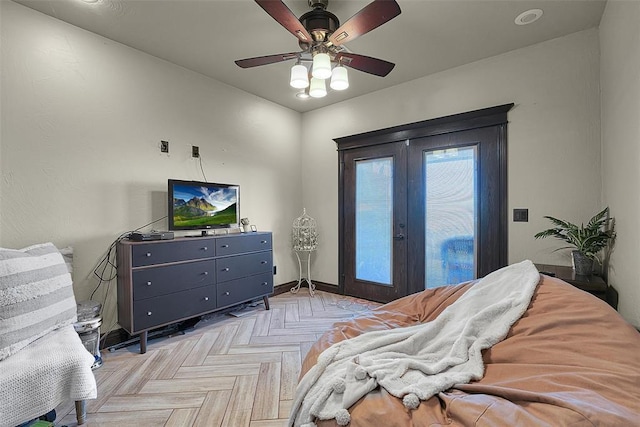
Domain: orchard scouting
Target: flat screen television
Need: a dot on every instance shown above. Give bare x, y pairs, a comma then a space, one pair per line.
195, 205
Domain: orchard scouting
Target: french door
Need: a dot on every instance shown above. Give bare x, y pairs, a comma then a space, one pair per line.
423, 211
375, 221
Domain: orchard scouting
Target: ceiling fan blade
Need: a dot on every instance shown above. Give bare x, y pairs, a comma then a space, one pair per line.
281, 13
369, 17
264, 60
375, 66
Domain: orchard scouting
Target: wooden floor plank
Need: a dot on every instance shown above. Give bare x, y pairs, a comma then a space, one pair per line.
140, 418
218, 370
223, 343
245, 330
283, 339
183, 385
135, 403
292, 312
141, 372
265, 402
201, 349
182, 417
268, 423
178, 356
277, 318
213, 409
263, 320
107, 387
238, 359
291, 366
238, 411
264, 348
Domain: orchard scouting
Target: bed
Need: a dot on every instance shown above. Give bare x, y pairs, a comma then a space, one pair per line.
570, 359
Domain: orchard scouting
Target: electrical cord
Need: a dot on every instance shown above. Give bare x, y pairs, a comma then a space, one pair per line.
106, 270
202, 169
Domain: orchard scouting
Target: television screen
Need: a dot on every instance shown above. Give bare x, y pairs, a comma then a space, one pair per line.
201, 205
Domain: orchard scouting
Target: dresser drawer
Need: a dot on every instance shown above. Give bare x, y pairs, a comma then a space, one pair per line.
152, 312
244, 289
243, 243
234, 267
155, 281
160, 251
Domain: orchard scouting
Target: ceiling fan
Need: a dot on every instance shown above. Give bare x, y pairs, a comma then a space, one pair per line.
319, 31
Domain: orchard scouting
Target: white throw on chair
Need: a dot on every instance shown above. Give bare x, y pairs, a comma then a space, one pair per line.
43, 362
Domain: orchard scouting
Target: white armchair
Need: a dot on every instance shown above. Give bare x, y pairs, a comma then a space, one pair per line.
42, 360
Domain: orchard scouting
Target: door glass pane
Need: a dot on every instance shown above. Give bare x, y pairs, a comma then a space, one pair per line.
450, 229
374, 217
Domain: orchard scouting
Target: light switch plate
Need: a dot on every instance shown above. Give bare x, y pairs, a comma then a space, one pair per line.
521, 215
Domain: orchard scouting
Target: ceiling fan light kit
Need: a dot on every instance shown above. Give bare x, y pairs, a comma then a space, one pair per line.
321, 38
318, 88
321, 66
339, 78
299, 77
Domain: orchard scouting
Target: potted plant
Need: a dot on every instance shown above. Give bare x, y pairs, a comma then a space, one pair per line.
587, 241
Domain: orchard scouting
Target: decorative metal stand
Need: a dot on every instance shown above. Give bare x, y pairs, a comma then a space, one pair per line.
312, 287
305, 241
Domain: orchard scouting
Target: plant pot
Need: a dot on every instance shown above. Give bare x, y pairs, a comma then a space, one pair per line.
582, 264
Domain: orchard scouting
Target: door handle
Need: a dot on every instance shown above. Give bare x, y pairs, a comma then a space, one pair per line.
398, 237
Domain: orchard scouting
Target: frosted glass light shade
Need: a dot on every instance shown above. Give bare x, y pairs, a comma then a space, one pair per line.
299, 77
339, 78
318, 89
321, 66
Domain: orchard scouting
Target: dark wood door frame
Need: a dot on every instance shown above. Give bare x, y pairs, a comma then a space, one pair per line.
486, 117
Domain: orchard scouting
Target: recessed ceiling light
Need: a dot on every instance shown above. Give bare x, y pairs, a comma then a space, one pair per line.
528, 16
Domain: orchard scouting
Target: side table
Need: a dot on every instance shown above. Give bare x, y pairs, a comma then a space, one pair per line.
593, 284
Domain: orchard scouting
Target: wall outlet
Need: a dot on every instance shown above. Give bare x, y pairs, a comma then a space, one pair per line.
164, 146
195, 151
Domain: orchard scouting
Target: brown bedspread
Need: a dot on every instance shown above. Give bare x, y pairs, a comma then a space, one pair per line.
570, 360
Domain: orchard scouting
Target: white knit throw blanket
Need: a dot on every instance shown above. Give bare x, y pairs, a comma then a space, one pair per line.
417, 362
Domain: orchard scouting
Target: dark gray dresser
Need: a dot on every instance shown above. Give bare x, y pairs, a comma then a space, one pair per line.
165, 281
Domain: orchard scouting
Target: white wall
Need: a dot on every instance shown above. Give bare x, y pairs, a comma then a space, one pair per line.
620, 82
82, 120
553, 137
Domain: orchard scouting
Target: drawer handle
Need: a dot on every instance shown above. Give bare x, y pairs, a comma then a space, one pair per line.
226, 293
263, 241
206, 298
224, 246
264, 283
206, 273
263, 262
148, 313
148, 254
148, 283
225, 269
205, 248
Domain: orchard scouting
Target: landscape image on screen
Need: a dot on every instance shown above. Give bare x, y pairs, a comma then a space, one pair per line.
201, 206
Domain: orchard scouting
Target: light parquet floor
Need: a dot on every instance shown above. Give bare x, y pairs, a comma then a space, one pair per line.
227, 371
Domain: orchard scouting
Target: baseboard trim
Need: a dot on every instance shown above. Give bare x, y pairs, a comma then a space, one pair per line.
320, 286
